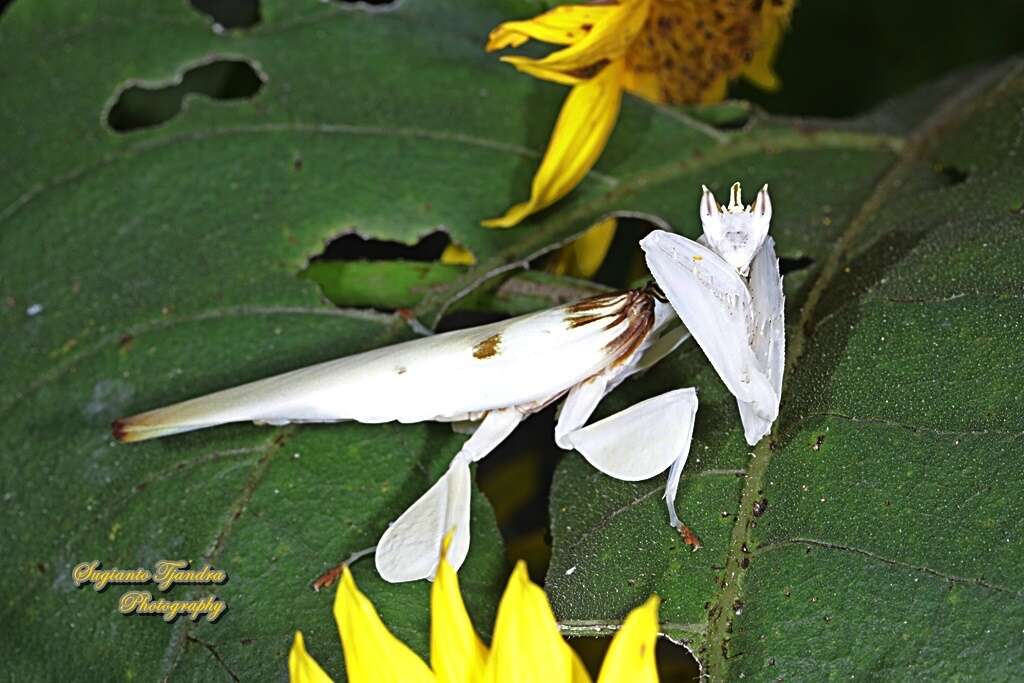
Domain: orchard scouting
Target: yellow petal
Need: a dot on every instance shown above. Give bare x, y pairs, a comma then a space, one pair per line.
579, 672
760, 71
645, 84
532, 68
584, 124
301, 667
527, 646
457, 255
457, 655
630, 657
372, 653
716, 91
774, 19
585, 255
562, 25
607, 41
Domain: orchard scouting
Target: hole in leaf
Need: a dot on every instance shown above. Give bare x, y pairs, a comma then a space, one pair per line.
229, 14
791, 265
354, 247
675, 662
4, 4
460, 320
371, 4
952, 175
355, 271
142, 107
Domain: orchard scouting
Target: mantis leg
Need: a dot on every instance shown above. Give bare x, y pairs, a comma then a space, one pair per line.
642, 441
410, 549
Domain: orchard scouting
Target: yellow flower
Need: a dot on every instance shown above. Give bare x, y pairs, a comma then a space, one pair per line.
583, 256
666, 51
580, 258
527, 646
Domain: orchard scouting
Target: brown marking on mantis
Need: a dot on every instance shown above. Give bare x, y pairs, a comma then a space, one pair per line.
638, 310
119, 430
488, 347
593, 302
580, 320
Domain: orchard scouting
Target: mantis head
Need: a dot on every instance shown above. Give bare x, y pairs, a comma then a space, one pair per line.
736, 232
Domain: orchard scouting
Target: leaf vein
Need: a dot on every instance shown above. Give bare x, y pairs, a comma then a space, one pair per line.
952, 578
720, 609
60, 369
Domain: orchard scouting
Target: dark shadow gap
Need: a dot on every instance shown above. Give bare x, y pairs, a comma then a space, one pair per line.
461, 320
624, 264
376, 4
229, 14
676, 664
791, 265
354, 271
516, 478
952, 175
143, 106
355, 247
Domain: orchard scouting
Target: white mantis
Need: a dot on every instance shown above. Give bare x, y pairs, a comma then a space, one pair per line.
499, 374
727, 290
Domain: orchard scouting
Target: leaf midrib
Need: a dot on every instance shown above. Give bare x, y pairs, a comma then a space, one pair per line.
954, 109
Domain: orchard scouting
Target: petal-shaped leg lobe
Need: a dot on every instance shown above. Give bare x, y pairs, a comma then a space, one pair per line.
642, 440
410, 548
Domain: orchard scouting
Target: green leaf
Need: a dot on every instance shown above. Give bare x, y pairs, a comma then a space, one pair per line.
402, 284
878, 531
148, 266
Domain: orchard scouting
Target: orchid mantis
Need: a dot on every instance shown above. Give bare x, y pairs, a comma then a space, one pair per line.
498, 374
727, 289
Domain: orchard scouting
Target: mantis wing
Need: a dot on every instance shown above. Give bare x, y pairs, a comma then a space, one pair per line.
448, 376
714, 303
